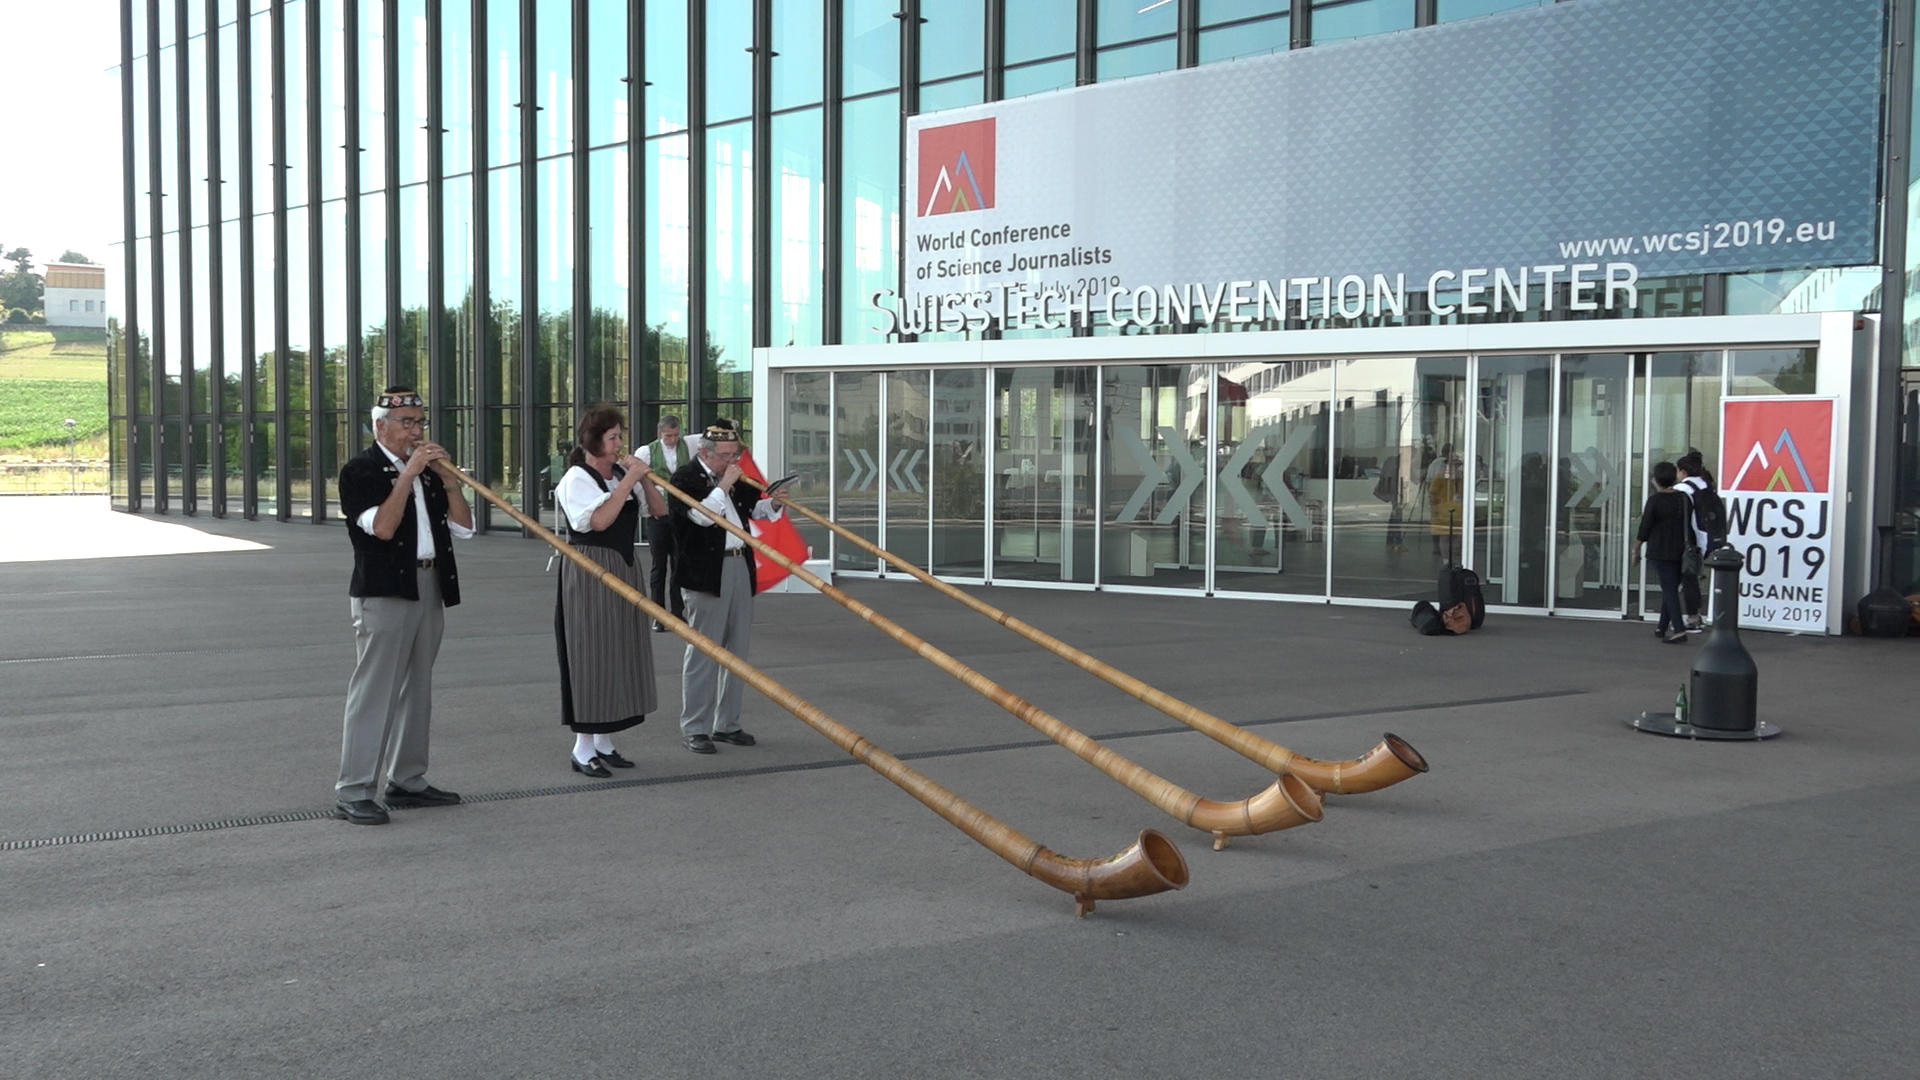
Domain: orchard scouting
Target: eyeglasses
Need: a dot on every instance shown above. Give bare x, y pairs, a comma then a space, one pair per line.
413, 423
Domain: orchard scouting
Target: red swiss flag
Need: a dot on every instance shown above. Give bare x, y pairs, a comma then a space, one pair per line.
782, 535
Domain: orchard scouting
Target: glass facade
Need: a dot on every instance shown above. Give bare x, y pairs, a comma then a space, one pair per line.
525, 206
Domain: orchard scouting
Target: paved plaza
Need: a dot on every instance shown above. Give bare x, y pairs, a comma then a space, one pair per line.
1559, 897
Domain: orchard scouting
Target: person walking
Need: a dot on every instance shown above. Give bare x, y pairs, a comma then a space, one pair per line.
663, 457
606, 666
716, 572
402, 519
1696, 483
1663, 536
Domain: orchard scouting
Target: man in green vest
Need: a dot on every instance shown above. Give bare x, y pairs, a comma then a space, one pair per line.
662, 456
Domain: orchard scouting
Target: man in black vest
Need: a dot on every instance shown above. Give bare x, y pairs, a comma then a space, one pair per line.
402, 518
666, 455
715, 570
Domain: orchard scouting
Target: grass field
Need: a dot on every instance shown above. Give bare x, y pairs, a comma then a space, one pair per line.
46, 376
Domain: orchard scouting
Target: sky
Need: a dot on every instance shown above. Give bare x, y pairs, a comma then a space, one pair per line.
60, 182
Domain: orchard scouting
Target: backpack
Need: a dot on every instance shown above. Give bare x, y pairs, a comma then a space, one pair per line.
1709, 515
1459, 586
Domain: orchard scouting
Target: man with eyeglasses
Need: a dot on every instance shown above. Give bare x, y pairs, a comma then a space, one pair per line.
402, 518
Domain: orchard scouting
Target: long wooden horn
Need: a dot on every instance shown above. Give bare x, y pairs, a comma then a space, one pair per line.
1281, 805
1390, 761
1151, 865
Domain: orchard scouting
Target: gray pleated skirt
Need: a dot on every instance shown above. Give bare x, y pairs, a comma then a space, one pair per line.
606, 653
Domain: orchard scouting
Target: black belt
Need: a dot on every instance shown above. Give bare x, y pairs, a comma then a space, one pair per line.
426, 564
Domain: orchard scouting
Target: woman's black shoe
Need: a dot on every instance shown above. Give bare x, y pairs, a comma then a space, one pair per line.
592, 768
613, 758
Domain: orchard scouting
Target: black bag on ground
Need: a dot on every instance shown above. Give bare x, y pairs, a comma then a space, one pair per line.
1884, 613
1459, 585
1426, 619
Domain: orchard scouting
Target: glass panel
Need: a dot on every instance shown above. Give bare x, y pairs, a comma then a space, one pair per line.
264, 265
334, 274
1846, 288
1273, 481
168, 181
503, 459
1037, 78
1337, 20
1412, 408
552, 438
1451, 10
455, 383
553, 78
295, 97
1595, 518
333, 98
727, 360
553, 363
872, 46
456, 86
663, 371
231, 87
332, 449
195, 120
1131, 20
141, 356
1043, 28
412, 85
1771, 371
500, 367
120, 477
606, 72
201, 450
137, 135
260, 79
799, 61
666, 90
373, 304
266, 476
373, 95
171, 459
952, 37
201, 355
1043, 511
1512, 429
959, 481
171, 399
797, 246
147, 448
300, 486
870, 257
409, 349
456, 434
605, 376
1153, 468
1213, 12
1144, 59
857, 465
233, 448
953, 93
810, 452
730, 60
1682, 413
905, 475
503, 80
1267, 35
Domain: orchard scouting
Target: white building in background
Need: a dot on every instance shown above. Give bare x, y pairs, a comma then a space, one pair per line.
76, 295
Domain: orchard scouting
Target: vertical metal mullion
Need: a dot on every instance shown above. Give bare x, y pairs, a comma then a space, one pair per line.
910, 23
762, 195
832, 146
1426, 12
1552, 584
243, 153
481, 294
1895, 202
157, 261
350, 151
994, 55
529, 245
582, 211
697, 255
316, 271
436, 224
390, 236
216, 276
283, 440
1635, 361
1084, 70
1333, 456
183, 221
1300, 25
130, 351
636, 83
1098, 451
1187, 39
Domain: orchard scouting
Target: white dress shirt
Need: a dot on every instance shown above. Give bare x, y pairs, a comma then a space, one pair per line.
422, 536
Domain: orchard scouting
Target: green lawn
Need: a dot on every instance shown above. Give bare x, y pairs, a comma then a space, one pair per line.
46, 376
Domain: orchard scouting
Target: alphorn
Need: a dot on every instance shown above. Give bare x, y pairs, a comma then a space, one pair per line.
1151, 865
1390, 761
1280, 805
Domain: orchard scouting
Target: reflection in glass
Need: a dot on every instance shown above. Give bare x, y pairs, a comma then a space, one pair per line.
958, 482
1246, 39
798, 54
1338, 20
1143, 59
1154, 476
500, 364
1272, 478
454, 383
727, 364
502, 433
1404, 416
409, 348
968, 90
265, 262
606, 120
201, 400
1682, 412
870, 244
553, 78
952, 37
809, 452
373, 300
1044, 28
872, 46
1771, 371
1595, 519
857, 465
333, 284
666, 90
796, 246
1044, 517
905, 471
1131, 20
663, 360
1038, 78
195, 120
456, 88
411, 82
1213, 12
333, 98
729, 59
1451, 10
502, 108
605, 374
553, 336
1512, 432
373, 97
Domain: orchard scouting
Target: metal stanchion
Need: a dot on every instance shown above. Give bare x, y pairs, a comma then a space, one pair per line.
1722, 697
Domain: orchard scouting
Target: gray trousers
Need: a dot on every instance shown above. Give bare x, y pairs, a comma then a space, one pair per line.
390, 696
709, 694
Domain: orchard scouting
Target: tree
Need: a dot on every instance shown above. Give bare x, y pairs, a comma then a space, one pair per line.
22, 260
72, 256
20, 287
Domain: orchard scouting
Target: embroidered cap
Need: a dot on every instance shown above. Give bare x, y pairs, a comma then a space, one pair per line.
720, 433
402, 399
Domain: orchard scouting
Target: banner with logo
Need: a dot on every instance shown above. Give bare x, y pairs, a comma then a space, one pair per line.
1549, 155
1777, 462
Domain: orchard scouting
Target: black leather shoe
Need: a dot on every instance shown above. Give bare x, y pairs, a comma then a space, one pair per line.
592, 768
360, 812
426, 796
613, 758
700, 744
737, 738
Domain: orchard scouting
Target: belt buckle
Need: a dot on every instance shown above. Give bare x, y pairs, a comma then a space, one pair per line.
425, 564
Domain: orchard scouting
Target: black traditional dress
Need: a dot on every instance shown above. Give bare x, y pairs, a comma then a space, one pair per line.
606, 655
